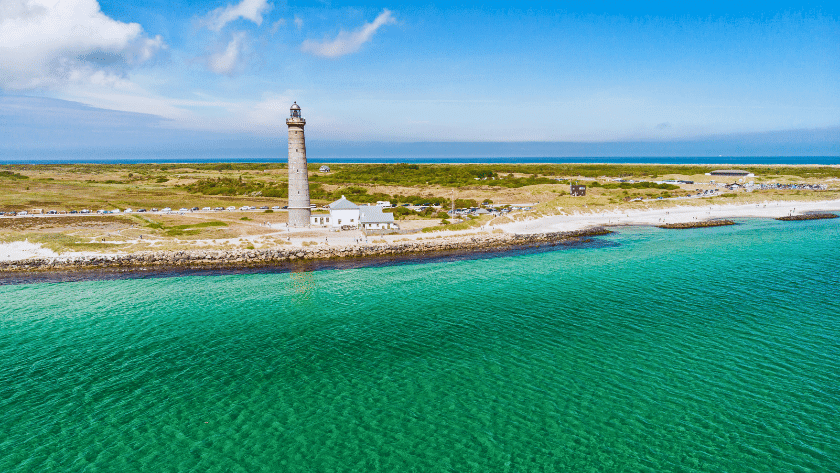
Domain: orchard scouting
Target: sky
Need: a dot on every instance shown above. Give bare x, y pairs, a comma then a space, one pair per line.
156, 74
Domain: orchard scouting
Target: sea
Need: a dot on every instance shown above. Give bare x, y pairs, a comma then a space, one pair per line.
704, 350
275, 156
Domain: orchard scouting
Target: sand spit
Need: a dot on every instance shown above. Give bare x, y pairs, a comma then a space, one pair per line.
25, 256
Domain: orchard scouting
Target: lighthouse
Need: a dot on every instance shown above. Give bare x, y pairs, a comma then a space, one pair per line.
298, 177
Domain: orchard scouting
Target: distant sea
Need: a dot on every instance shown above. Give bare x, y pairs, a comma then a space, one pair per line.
707, 350
233, 157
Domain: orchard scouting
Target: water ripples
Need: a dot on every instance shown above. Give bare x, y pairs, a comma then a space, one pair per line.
667, 351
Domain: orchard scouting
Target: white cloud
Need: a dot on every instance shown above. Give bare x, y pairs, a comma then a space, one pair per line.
227, 61
269, 113
248, 9
348, 42
49, 43
277, 24
298, 22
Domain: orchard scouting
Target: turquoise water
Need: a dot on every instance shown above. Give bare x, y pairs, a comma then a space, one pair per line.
705, 350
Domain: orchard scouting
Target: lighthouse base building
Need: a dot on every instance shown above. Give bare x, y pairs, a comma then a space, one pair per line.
345, 214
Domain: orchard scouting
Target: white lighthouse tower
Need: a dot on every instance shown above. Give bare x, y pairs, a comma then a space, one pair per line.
298, 177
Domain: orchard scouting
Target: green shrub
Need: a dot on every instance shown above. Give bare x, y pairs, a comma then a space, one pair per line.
12, 175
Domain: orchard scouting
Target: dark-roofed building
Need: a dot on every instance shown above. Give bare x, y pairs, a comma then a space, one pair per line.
730, 172
578, 190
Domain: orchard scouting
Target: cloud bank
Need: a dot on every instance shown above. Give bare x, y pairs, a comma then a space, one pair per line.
348, 42
46, 44
247, 9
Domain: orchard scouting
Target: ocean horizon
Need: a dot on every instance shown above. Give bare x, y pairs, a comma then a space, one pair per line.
270, 157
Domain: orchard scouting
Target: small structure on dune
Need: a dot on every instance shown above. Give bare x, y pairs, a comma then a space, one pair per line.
344, 213
730, 172
324, 168
578, 190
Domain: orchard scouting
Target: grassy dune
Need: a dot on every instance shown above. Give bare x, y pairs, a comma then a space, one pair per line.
545, 187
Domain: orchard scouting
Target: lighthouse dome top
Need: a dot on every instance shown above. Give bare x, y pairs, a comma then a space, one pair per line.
294, 114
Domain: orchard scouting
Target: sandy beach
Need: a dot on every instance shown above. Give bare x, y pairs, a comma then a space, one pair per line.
676, 214
23, 250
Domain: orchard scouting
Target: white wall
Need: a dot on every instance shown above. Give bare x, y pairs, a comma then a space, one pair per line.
344, 217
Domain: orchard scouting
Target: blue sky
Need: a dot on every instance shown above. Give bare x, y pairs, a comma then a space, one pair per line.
76, 73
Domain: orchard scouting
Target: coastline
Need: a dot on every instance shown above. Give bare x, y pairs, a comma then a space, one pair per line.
529, 232
261, 258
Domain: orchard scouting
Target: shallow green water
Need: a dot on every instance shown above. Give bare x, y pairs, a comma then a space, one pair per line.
706, 350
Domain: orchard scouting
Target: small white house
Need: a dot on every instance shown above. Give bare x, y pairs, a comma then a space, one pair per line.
324, 168
346, 213
372, 217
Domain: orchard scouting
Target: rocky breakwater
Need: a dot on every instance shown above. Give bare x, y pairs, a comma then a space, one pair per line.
813, 216
286, 255
703, 224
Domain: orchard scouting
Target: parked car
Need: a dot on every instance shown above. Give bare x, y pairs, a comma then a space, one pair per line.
128, 211
264, 207
182, 209
194, 209
285, 207
154, 209
276, 207
85, 211
231, 207
206, 209
52, 212
141, 210
166, 209
218, 209
245, 207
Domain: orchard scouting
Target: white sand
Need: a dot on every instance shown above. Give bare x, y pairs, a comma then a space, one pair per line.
678, 214
18, 250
